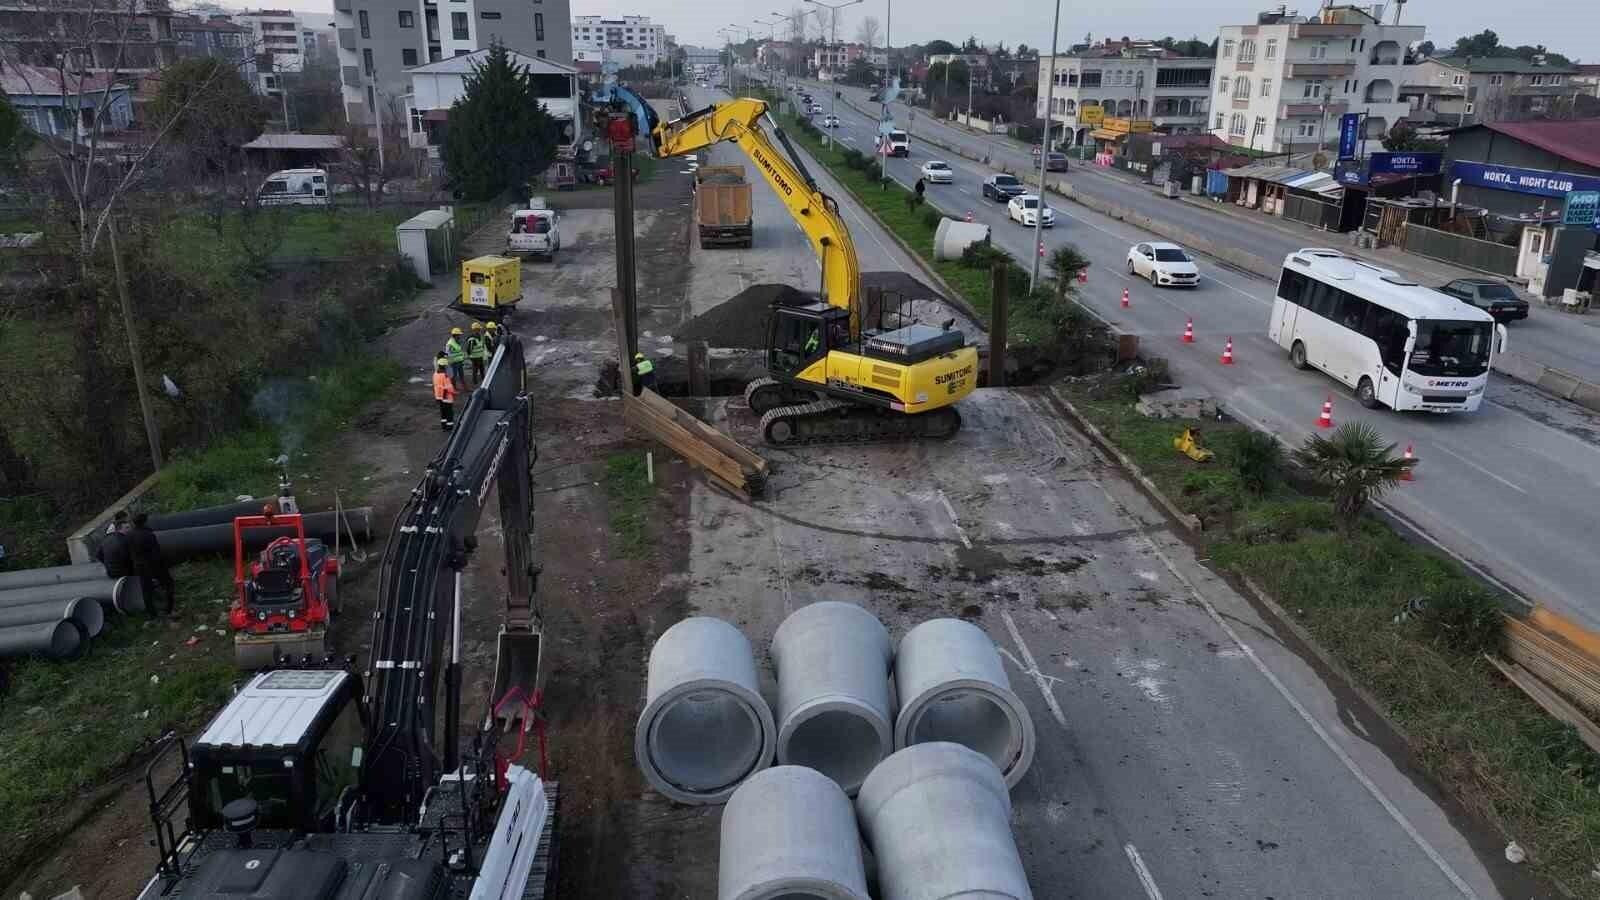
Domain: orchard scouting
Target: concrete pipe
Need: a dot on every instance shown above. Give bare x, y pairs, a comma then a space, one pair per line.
834, 711
705, 726
61, 639
953, 687
952, 238
125, 593
83, 610
53, 575
180, 544
789, 833
937, 818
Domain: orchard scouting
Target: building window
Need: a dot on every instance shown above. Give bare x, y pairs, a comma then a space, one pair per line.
1305, 129
408, 57
462, 51
539, 53
416, 120
1247, 51
1236, 124
1313, 90
366, 61
1227, 49
1261, 127
1222, 85
1218, 126
370, 104
1241, 88
434, 55
366, 27
1266, 87
538, 26
1272, 48
1458, 80
408, 19
1555, 79
1319, 50
1470, 108
458, 26
1538, 79
1496, 79
488, 15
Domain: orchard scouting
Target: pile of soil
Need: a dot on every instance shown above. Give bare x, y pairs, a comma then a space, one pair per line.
740, 321
901, 283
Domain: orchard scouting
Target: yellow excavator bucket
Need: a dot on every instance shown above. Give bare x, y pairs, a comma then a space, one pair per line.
1188, 444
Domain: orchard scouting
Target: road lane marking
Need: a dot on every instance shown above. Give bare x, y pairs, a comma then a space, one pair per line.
1448, 452
1032, 669
1146, 880
960, 532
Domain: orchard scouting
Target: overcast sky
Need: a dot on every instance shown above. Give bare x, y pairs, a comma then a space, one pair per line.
1567, 26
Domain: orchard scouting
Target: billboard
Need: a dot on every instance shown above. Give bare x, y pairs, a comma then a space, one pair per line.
1091, 115
1349, 134
1406, 163
1538, 182
1582, 209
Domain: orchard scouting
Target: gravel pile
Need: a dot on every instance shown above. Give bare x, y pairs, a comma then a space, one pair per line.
742, 320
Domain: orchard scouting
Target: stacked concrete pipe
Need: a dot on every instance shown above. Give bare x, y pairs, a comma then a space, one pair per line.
705, 727
125, 594
953, 687
789, 833
61, 639
52, 575
835, 714
86, 612
937, 818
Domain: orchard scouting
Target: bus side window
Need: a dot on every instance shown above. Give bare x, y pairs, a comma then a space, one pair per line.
1353, 311
1388, 329
1319, 298
1291, 286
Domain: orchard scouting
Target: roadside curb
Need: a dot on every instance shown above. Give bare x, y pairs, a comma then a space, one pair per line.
1189, 521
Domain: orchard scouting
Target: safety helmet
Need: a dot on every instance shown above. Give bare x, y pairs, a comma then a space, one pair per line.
441, 362
638, 356
455, 332
477, 326
493, 326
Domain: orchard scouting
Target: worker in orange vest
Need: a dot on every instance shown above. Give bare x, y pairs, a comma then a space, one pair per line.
444, 391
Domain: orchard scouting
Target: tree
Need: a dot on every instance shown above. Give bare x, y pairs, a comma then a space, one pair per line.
1403, 138
209, 109
1066, 262
498, 135
1425, 49
937, 48
867, 32
15, 138
971, 45
1484, 43
859, 73
1356, 465
1193, 47
1024, 51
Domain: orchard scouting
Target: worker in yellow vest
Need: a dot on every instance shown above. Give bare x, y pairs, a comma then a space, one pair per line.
491, 336
456, 356
477, 352
644, 373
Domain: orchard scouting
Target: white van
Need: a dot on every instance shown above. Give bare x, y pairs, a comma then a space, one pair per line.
533, 231
295, 187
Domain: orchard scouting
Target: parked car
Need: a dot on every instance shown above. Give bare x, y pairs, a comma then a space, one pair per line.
1496, 298
1055, 162
936, 171
1163, 263
830, 121
1001, 188
1024, 209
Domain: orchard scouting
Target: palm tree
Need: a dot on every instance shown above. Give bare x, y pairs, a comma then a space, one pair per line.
1355, 464
1066, 262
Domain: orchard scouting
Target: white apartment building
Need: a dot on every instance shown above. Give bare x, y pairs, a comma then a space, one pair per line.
647, 41
1172, 91
274, 33
1283, 82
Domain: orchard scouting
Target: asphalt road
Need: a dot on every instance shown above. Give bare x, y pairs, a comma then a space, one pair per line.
1513, 488
1565, 342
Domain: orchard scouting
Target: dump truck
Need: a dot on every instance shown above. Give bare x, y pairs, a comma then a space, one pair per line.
722, 207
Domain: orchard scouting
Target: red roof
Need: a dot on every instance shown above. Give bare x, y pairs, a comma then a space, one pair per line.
1577, 140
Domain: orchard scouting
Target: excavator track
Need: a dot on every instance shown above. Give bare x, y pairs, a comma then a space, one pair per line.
829, 421
765, 394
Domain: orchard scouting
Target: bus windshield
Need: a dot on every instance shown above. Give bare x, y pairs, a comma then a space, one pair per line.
1451, 348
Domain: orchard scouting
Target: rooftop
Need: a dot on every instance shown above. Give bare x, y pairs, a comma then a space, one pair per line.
1577, 140
1393, 290
21, 80
1501, 65
296, 142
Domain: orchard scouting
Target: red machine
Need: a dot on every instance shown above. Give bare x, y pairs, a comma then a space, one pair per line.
282, 603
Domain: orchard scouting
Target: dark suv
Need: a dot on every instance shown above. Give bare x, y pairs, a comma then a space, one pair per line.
1001, 188
1496, 298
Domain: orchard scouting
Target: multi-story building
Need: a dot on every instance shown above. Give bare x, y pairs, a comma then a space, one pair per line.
1122, 81
130, 39
1459, 91
215, 36
636, 33
1283, 82
380, 39
836, 58
435, 87
274, 38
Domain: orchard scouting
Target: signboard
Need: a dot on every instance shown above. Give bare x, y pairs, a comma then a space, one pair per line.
1406, 163
1349, 134
1537, 182
1350, 171
1583, 209
1128, 126
1091, 115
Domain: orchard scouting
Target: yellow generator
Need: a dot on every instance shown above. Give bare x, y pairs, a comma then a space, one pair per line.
491, 287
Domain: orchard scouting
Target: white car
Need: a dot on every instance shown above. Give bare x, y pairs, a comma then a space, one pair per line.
830, 121
1163, 263
816, 108
937, 171
1024, 210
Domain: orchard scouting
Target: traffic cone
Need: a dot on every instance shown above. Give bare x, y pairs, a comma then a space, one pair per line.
969, 215
1125, 303
1227, 351
1041, 248
1406, 475
1083, 275
1188, 332
1326, 419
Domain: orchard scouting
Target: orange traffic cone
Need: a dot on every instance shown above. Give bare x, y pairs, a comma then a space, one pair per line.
1188, 332
1406, 475
1227, 351
1125, 303
1326, 419
1083, 275
969, 215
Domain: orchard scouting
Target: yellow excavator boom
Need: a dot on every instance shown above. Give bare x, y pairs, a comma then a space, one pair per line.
739, 121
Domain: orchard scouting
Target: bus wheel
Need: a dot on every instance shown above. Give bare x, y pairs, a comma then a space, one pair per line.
1366, 395
1297, 356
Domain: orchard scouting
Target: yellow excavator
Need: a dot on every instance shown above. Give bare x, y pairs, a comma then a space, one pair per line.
829, 380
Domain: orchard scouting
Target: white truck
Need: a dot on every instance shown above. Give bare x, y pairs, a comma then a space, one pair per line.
534, 230
295, 187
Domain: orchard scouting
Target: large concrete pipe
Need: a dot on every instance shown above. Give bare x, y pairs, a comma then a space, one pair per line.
61, 639
834, 711
953, 687
124, 593
952, 238
204, 540
208, 515
937, 818
705, 726
789, 833
52, 575
86, 612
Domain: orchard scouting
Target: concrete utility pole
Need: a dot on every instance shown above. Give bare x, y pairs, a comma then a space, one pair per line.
888, 65
1044, 147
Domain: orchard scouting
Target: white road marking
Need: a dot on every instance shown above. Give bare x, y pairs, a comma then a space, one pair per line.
1448, 452
1032, 669
960, 532
1146, 880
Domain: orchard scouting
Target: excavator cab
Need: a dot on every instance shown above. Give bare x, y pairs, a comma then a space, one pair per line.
798, 336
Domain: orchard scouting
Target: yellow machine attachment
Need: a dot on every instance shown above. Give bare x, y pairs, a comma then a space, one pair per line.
830, 380
1188, 444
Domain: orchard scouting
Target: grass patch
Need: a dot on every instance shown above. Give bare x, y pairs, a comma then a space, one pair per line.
1407, 624
629, 495
199, 246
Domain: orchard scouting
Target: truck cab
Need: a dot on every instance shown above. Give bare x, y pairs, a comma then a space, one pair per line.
533, 231
899, 143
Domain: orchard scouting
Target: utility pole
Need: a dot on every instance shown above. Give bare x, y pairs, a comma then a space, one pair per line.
888, 64
1044, 146
833, 50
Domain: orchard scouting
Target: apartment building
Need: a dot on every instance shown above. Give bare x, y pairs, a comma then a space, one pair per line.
1122, 81
131, 39
380, 39
1283, 82
836, 57
1458, 91
646, 41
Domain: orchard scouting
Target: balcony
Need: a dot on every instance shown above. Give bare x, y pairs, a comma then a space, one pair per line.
1297, 110
1241, 104
1380, 90
347, 39
1323, 30
1321, 69
350, 76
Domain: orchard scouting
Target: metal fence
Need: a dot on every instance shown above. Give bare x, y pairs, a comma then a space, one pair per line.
1446, 246
1312, 211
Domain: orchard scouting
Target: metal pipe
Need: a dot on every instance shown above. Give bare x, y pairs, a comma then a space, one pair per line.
180, 544
54, 575
86, 612
207, 515
125, 593
62, 639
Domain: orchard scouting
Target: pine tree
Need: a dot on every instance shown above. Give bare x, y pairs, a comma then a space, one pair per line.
499, 136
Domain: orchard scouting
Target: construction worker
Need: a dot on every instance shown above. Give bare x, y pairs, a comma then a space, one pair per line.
644, 373
444, 392
491, 336
811, 340
477, 352
456, 356
151, 566
116, 551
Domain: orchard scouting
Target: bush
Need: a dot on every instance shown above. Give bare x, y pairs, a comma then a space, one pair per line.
1153, 374
931, 218
1258, 458
1460, 616
983, 255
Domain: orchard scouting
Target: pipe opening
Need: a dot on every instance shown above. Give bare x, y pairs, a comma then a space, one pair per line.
974, 719
838, 743
706, 740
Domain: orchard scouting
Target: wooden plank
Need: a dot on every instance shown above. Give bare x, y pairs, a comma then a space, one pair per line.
1569, 670
686, 444
1552, 702
734, 450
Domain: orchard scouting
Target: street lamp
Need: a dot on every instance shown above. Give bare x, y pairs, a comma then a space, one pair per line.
749, 34
833, 50
1044, 148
